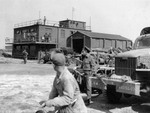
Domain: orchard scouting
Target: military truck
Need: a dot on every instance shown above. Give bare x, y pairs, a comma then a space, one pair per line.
131, 72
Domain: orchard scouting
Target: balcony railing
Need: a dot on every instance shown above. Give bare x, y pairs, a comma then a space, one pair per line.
35, 22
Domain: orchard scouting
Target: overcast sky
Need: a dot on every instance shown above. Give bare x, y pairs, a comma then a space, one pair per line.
122, 17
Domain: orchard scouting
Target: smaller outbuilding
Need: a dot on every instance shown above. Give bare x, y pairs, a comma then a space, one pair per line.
96, 40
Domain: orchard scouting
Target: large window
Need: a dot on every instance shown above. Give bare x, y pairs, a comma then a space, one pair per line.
124, 45
32, 50
113, 44
101, 43
25, 47
62, 33
119, 44
129, 43
107, 44
95, 43
18, 48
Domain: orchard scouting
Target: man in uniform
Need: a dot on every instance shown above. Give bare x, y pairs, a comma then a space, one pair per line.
25, 56
65, 94
46, 58
87, 66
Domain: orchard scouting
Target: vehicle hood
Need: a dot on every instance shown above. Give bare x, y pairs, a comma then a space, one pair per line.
135, 53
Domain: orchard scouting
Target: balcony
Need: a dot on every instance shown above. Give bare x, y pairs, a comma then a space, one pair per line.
37, 22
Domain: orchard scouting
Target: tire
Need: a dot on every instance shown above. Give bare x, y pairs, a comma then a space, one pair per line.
96, 91
112, 95
127, 95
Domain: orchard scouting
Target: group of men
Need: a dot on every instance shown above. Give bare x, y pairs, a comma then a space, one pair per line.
45, 56
65, 94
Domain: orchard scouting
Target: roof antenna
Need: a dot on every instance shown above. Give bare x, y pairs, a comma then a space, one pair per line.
90, 23
39, 15
72, 12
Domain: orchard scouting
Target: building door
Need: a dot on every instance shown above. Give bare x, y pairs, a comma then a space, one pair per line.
77, 45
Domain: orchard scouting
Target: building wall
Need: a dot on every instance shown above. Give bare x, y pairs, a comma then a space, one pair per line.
37, 36
96, 42
8, 47
76, 24
73, 24
48, 34
26, 34
56, 34
8, 44
87, 41
107, 43
78, 41
63, 35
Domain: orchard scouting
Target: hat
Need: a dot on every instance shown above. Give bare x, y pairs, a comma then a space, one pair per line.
58, 59
87, 49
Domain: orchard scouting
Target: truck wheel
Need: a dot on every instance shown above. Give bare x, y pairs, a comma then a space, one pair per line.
96, 91
127, 95
112, 95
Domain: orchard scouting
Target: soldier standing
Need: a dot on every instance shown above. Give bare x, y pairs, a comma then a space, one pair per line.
40, 56
65, 94
46, 58
25, 56
87, 66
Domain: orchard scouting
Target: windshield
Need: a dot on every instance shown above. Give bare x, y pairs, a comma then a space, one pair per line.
143, 42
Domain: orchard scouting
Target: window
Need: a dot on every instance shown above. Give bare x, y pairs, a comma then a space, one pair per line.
108, 44
129, 43
62, 33
72, 32
95, 43
119, 44
32, 50
17, 32
124, 45
101, 43
25, 47
113, 43
18, 48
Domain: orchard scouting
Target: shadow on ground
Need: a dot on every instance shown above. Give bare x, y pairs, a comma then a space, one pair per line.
126, 105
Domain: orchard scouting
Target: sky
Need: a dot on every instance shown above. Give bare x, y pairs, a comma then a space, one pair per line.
122, 17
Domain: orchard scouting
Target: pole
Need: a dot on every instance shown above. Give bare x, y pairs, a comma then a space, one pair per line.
39, 14
72, 12
90, 22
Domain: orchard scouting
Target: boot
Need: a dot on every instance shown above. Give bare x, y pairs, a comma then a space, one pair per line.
89, 102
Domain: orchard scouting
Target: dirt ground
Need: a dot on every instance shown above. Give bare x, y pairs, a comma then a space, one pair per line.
22, 86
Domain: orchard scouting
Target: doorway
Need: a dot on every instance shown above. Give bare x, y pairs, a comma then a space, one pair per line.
77, 45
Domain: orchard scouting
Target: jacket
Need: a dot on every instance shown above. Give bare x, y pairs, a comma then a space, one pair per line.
64, 91
25, 54
88, 63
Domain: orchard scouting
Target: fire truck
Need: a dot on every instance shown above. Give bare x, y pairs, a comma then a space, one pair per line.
131, 73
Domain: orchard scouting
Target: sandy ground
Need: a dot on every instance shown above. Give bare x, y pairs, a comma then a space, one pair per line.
22, 86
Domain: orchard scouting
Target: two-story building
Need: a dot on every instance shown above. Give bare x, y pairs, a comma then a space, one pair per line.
43, 35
